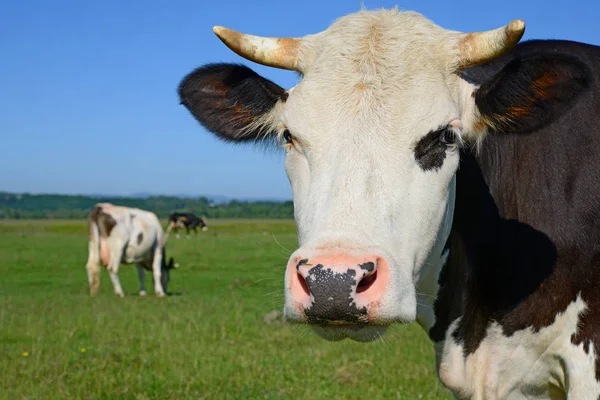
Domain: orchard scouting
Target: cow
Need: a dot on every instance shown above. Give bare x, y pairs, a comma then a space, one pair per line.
186, 220
441, 177
131, 236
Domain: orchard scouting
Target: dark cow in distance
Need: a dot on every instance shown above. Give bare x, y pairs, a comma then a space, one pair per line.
447, 178
186, 220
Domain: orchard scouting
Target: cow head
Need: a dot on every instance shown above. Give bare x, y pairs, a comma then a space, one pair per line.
371, 135
165, 272
166, 267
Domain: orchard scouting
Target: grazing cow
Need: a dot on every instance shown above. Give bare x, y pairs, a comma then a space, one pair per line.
187, 221
441, 177
131, 236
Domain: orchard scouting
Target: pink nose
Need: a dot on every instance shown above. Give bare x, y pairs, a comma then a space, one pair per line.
337, 288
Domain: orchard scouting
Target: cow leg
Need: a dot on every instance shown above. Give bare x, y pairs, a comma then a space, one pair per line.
176, 229
113, 268
114, 277
156, 272
93, 267
187, 230
142, 277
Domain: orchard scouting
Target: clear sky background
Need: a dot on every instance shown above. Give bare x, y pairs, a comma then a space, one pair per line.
88, 98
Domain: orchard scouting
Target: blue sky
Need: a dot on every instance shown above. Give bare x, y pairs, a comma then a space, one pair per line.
88, 89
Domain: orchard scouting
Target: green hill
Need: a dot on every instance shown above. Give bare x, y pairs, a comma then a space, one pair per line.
53, 206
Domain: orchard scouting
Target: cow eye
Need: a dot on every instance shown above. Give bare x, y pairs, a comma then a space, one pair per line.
287, 136
448, 136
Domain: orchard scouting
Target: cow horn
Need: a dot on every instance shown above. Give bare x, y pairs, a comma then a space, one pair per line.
478, 47
274, 52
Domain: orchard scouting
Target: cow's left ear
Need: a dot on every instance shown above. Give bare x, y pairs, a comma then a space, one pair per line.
529, 93
233, 102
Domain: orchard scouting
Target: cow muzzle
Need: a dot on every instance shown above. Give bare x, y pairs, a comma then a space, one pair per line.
335, 290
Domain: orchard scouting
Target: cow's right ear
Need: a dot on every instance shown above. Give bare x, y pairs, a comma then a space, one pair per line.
528, 94
232, 101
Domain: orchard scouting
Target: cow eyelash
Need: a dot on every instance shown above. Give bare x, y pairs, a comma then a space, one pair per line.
449, 136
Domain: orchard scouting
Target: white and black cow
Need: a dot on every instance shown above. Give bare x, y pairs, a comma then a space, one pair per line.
441, 177
188, 221
131, 236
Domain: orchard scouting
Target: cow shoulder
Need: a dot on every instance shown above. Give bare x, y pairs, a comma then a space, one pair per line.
529, 363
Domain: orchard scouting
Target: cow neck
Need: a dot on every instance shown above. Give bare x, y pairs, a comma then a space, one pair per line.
500, 267
428, 281
474, 225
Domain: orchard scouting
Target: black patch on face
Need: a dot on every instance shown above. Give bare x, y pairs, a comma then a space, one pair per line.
301, 263
430, 153
368, 266
332, 297
227, 98
140, 237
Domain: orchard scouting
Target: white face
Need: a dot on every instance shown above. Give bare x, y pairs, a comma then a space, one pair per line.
371, 137
372, 180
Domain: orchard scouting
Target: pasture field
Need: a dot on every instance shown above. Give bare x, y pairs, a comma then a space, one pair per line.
207, 340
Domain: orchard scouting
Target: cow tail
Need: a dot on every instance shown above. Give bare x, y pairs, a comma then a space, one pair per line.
93, 263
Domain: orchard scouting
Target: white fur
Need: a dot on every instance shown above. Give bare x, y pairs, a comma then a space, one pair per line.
526, 365
373, 85
356, 117
123, 246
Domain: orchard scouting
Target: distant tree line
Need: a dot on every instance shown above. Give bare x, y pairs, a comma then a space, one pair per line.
52, 206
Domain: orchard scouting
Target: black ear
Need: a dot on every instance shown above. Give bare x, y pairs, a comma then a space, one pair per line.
171, 264
530, 92
232, 101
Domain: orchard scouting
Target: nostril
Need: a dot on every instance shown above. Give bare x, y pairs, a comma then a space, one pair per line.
303, 284
366, 282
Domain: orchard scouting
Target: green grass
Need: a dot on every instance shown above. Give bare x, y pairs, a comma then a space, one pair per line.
207, 341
